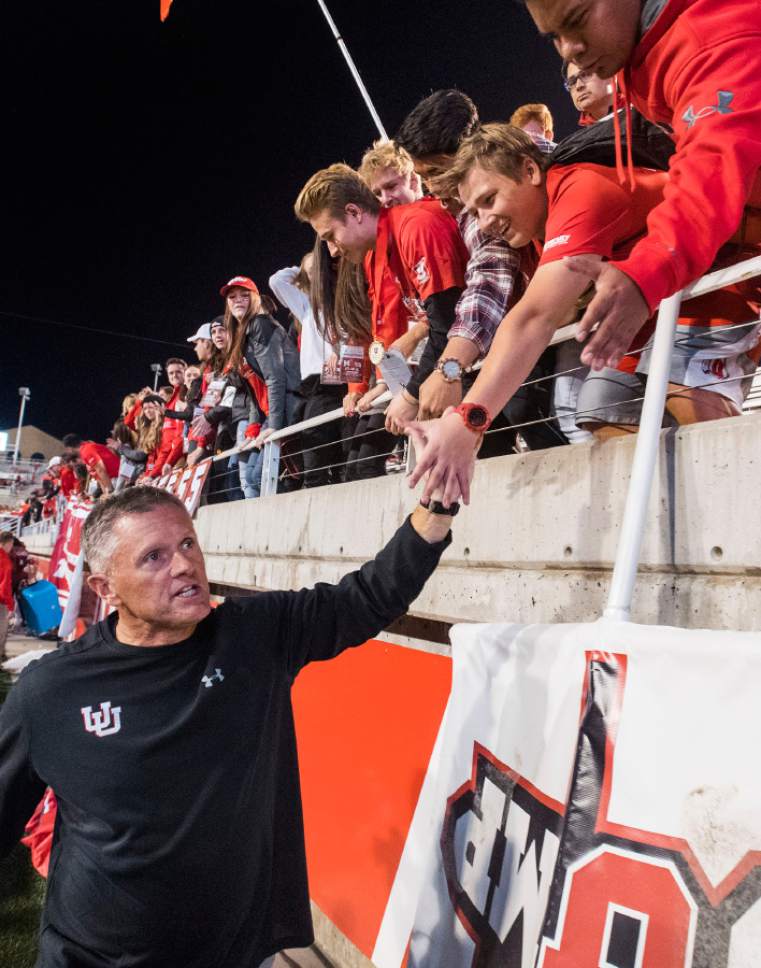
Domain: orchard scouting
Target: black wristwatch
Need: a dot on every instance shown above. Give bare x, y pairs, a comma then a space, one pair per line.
436, 507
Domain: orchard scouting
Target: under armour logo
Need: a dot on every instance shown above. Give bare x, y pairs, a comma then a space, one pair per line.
208, 681
104, 722
723, 100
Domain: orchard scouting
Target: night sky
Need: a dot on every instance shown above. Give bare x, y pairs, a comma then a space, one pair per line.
145, 164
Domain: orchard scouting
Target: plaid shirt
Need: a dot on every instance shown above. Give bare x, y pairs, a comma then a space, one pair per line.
490, 285
494, 281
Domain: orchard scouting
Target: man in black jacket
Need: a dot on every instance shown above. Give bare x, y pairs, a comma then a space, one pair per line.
167, 734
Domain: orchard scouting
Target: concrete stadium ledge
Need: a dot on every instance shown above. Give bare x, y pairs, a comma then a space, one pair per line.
538, 542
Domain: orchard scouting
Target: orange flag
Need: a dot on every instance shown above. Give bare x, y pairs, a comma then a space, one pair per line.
165, 5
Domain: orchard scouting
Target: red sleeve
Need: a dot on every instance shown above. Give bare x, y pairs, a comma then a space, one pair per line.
162, 455
176, 452
89, 454
588, 214
132, 414
432, 250
6, 589
716, 103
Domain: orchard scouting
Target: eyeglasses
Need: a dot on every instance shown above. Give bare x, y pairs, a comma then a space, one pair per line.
570, 83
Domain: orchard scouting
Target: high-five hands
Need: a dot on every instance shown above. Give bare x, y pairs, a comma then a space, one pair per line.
445, 451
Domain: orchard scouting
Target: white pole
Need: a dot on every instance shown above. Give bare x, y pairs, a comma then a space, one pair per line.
643, 465
25, 394
354, 71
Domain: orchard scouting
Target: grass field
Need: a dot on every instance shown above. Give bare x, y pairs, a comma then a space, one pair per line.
21, 894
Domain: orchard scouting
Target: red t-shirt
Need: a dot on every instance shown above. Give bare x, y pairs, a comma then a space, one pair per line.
90, 452
419, 252
590, 213
68, 480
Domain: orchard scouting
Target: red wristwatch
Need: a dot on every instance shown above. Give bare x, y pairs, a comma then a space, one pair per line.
474, 416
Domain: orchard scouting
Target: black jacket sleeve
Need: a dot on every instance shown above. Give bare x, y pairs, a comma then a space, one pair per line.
440, 310
20, 787
133, 454
320, 622
186, 414
218, 415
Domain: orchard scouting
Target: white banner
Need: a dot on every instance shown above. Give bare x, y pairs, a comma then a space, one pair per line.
594, 801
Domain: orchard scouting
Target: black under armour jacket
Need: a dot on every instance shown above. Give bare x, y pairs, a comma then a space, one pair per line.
179, 838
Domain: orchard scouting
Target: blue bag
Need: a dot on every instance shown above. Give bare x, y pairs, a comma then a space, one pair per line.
40, 608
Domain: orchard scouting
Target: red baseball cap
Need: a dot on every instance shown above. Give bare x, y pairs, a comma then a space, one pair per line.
243, 281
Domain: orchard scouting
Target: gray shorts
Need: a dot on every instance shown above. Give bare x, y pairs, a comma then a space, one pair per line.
702, 358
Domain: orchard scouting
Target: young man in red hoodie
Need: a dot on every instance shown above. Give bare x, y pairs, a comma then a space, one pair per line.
694, 66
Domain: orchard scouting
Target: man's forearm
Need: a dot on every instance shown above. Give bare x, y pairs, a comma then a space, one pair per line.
431, 527
102, 477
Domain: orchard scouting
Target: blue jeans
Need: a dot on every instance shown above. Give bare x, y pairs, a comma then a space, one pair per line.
250, 482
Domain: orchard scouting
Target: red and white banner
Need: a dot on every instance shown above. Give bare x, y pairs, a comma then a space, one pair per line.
593, 801
186, 484
62, 571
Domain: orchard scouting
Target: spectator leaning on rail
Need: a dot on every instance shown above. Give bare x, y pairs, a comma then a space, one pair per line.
577, 207
695, 67
167, 734
409, 251
101, 461
495, 279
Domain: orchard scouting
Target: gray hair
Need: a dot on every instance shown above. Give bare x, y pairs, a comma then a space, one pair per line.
98, 538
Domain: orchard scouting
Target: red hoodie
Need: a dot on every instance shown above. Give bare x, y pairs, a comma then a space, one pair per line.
698, 70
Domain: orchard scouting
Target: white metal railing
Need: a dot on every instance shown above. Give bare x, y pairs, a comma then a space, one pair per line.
22, 473
646, 451
10, 522
271, 459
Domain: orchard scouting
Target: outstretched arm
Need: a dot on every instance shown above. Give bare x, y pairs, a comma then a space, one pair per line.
524, 334
321, 622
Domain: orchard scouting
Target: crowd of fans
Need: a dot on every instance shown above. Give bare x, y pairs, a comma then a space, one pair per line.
445, 247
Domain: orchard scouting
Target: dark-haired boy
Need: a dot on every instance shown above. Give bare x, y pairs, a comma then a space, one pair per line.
495, 277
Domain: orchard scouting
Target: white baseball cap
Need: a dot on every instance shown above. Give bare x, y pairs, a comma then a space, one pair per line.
204, 332
54, 461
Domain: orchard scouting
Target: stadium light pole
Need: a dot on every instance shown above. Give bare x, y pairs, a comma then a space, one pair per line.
25, 393
354, 72
156, 367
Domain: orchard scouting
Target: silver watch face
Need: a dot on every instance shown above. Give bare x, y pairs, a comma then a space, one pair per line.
451, 370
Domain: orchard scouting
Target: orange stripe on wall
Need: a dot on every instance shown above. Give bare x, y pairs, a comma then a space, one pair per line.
366, 724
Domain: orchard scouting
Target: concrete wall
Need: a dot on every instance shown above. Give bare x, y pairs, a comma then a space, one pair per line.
538, 542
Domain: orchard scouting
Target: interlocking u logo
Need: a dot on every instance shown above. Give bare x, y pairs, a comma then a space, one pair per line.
105, 722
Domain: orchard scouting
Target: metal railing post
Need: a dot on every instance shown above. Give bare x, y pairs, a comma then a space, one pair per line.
643, 465
270, 468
